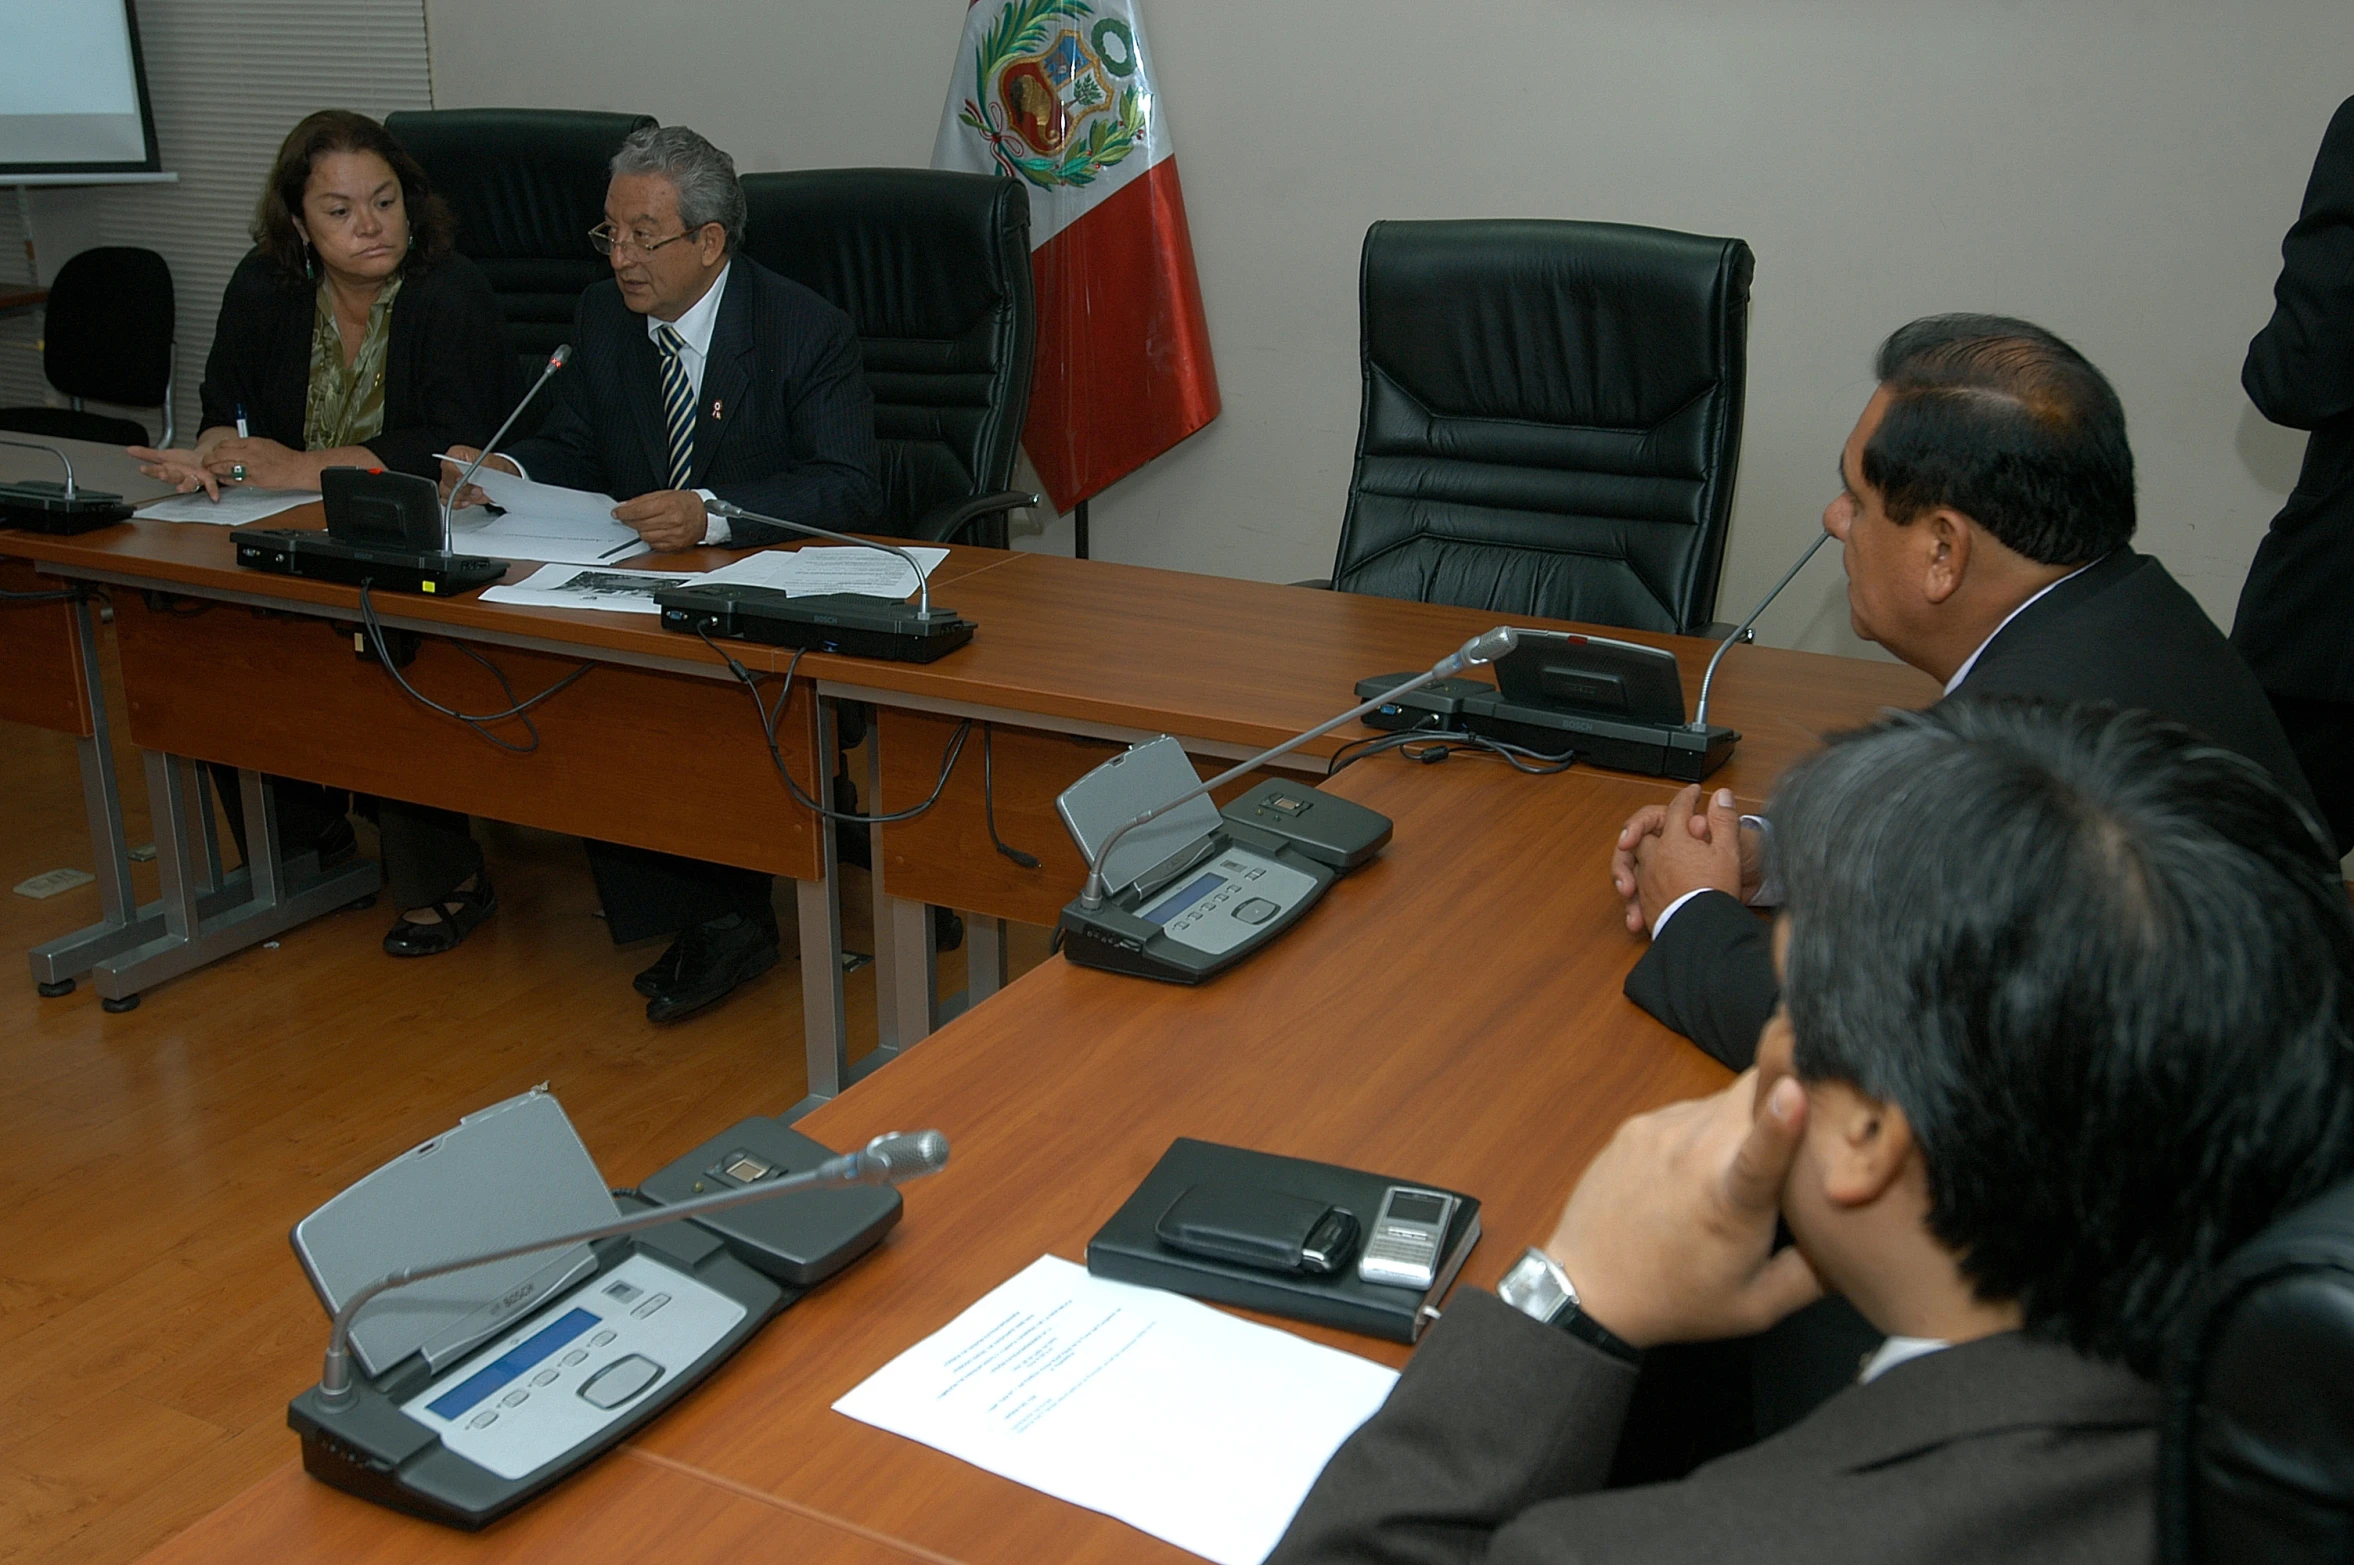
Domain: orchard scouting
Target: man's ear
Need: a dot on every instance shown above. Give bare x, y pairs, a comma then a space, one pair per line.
1946, 536
1862, 1144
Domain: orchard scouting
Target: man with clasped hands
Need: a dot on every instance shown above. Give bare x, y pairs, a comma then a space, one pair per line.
2065, 1022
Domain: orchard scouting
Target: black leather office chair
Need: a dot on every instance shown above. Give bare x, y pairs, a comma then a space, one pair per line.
933, 269
2256, 1456
107, 337
527, 186
1552, 419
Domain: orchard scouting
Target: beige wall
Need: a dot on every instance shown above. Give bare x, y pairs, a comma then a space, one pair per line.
2120, 170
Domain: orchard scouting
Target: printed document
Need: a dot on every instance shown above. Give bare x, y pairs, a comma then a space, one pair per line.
237, 507
831, 568
1183, 1421
543, 522
587, 587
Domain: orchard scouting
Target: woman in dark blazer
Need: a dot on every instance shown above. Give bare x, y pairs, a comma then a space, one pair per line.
353, 335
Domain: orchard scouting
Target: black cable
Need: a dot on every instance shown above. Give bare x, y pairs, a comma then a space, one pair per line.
1438, 744
61, 595
989, 801
516, 709
768, 722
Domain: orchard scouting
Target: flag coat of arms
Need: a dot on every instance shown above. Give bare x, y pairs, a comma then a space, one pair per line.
1059, 94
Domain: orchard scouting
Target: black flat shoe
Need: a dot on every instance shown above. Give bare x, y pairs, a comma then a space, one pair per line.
460, 912
713, 959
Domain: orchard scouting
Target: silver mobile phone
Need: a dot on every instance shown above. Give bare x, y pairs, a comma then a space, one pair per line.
1402, 1243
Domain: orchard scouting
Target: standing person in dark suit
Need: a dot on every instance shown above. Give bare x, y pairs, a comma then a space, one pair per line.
2296, 615
352, 335
2068, 1019
696, 374
1986, 507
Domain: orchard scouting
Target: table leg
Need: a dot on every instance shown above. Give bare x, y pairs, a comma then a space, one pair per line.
984, 966
818, 903
204, 914
57, 963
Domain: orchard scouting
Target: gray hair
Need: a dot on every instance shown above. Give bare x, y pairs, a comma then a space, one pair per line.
703, 176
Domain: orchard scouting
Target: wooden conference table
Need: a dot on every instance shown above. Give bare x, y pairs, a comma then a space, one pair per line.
1073, 660
1449, 1013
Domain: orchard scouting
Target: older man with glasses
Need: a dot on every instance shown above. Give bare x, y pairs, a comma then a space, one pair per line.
698, 374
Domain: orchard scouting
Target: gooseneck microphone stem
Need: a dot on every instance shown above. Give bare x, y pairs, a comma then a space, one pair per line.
555, 363
1483, 648
886, 1160
923, 583
26, 445
1741, 631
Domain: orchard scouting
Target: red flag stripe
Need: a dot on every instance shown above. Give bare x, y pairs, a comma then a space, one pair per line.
1123, 364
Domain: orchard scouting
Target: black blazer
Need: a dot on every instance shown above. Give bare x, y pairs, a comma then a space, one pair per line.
2296, 616
1497, 1439
2123, 631
794, 434
445, 367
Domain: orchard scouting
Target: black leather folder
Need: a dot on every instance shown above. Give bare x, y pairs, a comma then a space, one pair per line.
1126, 1249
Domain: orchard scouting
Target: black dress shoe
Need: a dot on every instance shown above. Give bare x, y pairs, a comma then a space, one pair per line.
663, 973
460, 911
712, 959
336, 844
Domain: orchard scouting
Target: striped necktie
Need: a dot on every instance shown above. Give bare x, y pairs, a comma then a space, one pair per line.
678, 407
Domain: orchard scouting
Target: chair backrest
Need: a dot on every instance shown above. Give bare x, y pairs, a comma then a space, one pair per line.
1552, 418
109, 327
2256, 1456
527, 186
933, 269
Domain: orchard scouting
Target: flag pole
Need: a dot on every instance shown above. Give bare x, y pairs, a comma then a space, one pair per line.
1079, 531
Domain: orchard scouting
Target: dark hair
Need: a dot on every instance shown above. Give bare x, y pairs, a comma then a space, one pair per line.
432, 226
2105, 967
2008, 425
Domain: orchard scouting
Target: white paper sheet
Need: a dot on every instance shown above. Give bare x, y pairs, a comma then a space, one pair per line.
588, 587
1180, 1420
237, 507
831, 568
543, 522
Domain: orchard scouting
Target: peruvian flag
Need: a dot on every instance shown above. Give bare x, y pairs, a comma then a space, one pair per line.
1059, 94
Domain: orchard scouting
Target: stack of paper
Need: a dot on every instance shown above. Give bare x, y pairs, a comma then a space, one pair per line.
836, 568
235, 508
543, 522
1187, 1423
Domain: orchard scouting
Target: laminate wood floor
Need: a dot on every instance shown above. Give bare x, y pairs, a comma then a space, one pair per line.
153, 1322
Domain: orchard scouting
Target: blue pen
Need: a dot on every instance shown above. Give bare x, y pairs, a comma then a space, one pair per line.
242, 432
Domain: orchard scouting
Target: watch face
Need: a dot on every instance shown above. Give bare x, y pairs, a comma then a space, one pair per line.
1533, 1287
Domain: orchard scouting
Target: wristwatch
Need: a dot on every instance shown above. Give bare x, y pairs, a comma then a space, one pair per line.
1538, 1288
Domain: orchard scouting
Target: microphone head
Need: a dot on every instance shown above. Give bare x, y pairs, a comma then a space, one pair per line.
557, 359
1489, 645
898, 1156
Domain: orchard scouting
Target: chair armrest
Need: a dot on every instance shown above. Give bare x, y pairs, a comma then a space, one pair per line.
945, 523
1321, 584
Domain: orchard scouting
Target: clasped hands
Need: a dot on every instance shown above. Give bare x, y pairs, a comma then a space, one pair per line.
1667, 850
231, 458
668, 519
1669, 1236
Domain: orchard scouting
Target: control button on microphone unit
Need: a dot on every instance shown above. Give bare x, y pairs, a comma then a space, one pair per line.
619, 1381
651, 1305
601, 1338
1256, 911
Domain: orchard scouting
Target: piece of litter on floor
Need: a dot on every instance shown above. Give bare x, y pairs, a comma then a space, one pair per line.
269, 945
56, 880
143, 854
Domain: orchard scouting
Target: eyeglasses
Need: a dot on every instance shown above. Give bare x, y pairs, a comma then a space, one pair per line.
610, 241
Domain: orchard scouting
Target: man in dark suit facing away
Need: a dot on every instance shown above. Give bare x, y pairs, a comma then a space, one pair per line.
2295, 624
1986, 509
2066, 1022
698, 373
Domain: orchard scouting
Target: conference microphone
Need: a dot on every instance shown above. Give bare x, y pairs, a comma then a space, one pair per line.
1483, 648
42, 507
556, 361
1741, 632
923, 585
887, 1160
854, 624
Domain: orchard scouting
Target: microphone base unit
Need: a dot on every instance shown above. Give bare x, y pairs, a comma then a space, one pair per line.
1276, 851
848, 623
1653, 749
289, 551
40, 507
479, 1458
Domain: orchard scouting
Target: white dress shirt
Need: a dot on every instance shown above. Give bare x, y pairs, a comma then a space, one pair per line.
1895, 1351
